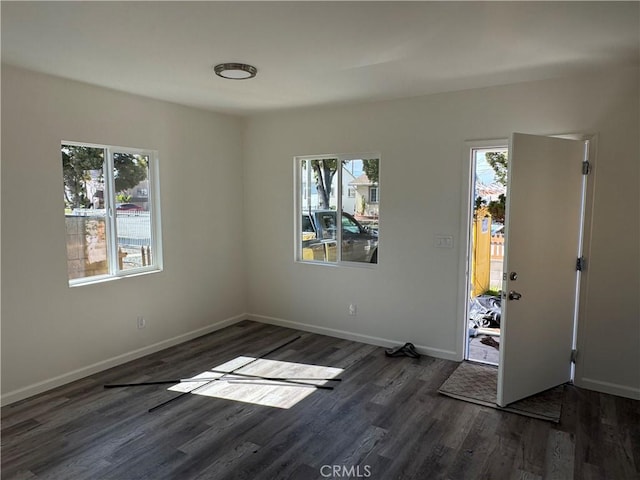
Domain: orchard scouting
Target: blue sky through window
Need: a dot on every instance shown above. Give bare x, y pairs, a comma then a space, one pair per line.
484, 172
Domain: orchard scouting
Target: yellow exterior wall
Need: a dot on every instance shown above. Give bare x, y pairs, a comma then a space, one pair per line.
321, 251
481, 254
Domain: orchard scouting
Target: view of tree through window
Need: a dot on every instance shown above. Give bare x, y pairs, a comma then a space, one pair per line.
332, 184
109, 214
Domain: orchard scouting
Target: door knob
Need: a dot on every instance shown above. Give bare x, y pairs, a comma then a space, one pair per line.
513, 295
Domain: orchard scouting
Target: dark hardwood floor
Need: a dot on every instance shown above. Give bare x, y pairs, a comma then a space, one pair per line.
384, 421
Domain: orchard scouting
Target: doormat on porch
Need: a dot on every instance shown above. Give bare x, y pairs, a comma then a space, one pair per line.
477, 383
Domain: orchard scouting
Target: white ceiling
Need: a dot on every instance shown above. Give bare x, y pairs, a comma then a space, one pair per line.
315, 53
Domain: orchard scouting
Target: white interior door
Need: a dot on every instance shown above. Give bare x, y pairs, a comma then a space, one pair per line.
543, 229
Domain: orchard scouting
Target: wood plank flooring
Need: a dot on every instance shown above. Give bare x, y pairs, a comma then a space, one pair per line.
384, 421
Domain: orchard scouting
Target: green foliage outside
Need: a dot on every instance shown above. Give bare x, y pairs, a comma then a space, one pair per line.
370, 167
496, 208
128, 170
78, 162
498, 161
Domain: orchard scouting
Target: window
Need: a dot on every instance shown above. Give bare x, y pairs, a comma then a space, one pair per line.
112, 229
337, 185
373, 194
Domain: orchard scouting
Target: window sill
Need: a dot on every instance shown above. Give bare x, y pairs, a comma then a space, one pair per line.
109, 278
339, 264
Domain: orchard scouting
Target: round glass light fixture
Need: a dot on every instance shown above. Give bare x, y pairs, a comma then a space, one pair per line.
235, 71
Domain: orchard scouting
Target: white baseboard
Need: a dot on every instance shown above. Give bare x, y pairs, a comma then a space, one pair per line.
356, 337
43, 386
607, 387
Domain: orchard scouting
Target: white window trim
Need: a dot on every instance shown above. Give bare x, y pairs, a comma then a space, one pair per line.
297, 189
155, 215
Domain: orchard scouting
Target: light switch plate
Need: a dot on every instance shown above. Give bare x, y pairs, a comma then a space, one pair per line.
444, 241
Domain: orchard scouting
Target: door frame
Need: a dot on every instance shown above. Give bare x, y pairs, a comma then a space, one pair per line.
466, 232
465, 240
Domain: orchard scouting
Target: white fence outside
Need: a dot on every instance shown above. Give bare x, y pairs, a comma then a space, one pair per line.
497, 246
133, 227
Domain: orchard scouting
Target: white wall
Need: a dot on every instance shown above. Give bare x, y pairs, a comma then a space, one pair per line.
413, 293
52, 333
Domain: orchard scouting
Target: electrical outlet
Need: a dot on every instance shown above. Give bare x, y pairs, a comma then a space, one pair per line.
353, 309
142, 323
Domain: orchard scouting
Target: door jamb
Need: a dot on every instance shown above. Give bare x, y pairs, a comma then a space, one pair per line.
592, 149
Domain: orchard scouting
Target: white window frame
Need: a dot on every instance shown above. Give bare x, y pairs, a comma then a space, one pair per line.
298, 207
110, 217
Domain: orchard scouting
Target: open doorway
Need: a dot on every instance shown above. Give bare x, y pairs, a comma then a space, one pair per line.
536, 342
486, 252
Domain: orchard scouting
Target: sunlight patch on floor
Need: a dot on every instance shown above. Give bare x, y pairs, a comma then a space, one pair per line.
271, 393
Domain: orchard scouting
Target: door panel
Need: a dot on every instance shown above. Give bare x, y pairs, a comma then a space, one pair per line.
543, 224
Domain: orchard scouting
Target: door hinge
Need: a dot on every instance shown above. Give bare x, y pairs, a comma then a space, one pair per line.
574, 355
586, 167
581, 264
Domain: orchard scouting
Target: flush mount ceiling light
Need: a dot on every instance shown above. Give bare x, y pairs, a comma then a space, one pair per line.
235, 71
